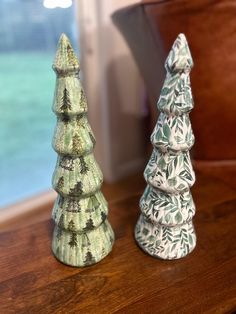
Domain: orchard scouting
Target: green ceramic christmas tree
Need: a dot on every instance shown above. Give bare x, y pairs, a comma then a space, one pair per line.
165, 227
82, 235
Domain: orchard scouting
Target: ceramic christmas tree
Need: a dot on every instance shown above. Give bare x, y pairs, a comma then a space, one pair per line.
82, 235
165, 227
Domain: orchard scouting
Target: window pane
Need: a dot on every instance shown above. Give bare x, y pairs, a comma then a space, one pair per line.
29, 33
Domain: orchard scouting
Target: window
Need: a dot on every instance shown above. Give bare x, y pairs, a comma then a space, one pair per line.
29, 33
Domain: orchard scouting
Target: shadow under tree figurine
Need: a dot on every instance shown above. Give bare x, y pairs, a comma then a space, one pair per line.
82, 235
165, 227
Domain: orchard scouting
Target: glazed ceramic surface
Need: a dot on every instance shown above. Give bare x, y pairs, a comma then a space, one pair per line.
165, 227
82, 235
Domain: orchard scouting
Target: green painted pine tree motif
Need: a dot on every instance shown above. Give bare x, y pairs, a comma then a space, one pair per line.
89, 224
65, 118
61, 201
76, 143
165, 227
66, 106
80, 223
73, 239
73, 205
71, 56
83, 99
89, 259
71, 225
60, 183
92, 138
67, 162
61, 226
73, 235
77, 189
84, 166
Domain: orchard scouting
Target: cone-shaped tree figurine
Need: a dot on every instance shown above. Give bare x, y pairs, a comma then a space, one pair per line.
82, 235
165, 227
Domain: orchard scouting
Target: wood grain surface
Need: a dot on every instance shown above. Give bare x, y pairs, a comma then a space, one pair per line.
128, 280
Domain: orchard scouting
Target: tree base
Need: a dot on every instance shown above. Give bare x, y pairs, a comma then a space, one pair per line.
165, 242
82, 249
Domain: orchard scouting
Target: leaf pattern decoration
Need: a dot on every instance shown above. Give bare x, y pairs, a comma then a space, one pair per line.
170, 172
173, 133
167, 209
176, 95
165, 242
165, 227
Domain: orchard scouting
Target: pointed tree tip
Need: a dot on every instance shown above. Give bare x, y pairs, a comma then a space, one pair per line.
182, 36
63, 39
179, 58
65, 60
63, 35
63, 42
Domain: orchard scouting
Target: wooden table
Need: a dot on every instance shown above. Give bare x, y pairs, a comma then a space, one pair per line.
128, 280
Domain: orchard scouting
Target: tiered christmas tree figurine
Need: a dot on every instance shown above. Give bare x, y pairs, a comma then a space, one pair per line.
82, 235
165, 227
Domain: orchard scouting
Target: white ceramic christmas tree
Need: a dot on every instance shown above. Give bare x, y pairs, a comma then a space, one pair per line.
82, 235
165, 227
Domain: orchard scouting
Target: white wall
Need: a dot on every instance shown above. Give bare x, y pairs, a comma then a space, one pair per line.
114, 90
